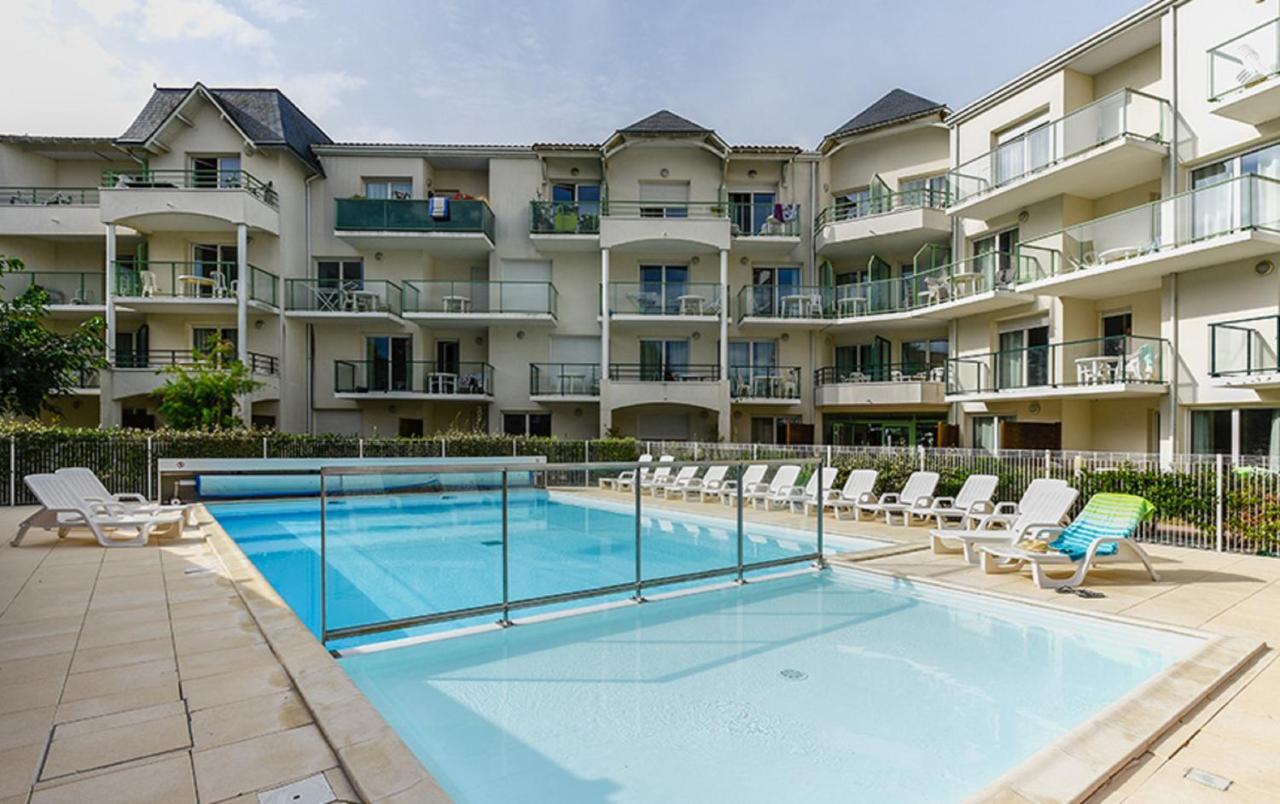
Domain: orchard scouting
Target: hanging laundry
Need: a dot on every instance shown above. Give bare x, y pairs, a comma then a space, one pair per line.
438, 207
790, 212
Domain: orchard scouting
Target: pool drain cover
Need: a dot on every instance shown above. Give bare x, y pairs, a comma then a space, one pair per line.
793, 675
491, 543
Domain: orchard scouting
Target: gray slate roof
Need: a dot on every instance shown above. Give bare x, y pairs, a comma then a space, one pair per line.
266, 116
664, 122
898, 106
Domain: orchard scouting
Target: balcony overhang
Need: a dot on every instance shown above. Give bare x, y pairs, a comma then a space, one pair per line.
1259, 381
1100, 391
481, 320
664, 235
344, 316
549, 399
151, 209
1143, 272
565, 243
436, 244
766, 401
863, 394
185, 306
901, 231
766, 245
783, 322
58, 222
75, 311
666, 323
1253, 105
628, 393
413, 395
1113, 166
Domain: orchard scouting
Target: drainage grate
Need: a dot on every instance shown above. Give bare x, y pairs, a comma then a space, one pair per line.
312, 790
1207, 779
793, 675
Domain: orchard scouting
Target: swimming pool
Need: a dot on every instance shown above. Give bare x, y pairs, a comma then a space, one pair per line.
406, 555
832, 686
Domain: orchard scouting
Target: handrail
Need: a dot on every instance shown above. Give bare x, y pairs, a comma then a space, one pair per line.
478, 296
615, 208
49, 196
62, 287
1243, 347
845, 210
349, 296
258, 363
1082, 362
564, 379
1256, 59
457, 215
206, 279
665, 298
428, 377
764, 382
564, 217
191, 179
676, 372
910, 371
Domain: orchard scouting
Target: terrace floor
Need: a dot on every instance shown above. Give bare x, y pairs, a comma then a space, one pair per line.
171, 673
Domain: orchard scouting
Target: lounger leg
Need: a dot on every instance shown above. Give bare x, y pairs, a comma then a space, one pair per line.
1044, 581
1142, 556
994, 566
22, 531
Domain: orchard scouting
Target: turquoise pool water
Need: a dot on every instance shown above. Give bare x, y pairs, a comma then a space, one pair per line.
825, 687
404, 555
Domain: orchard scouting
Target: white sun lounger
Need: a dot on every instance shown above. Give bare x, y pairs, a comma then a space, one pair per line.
917, 493
808, 497
1045, 504
763, 493
710, 484
658, 475
60, 502
86, 485
970, 503
675, 484
626, 477
859, 487
752, 477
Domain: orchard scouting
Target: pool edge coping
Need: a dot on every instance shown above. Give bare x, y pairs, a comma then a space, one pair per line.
378, 763
1090, 754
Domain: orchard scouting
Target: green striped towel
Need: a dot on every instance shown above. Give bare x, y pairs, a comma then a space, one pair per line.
1105, 515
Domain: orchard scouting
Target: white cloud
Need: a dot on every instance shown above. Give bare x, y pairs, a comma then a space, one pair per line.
199, 19
108, 12
277, 10
315, 93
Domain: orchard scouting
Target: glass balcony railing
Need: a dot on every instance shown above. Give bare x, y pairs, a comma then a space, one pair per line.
664, 298
343, 296
192, 280
426, 377
1244, 61
159, 358
665, 209
764, 220
564, 217
847, 210
467, 297
764, 382
1244, 203
564, 379
1124, 113
424, 215
193, 180
1091, 362
669, 372
49, 196
1245, 346
62, 287
888, 372
86, 379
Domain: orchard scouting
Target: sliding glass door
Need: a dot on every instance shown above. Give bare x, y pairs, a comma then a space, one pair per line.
390, 359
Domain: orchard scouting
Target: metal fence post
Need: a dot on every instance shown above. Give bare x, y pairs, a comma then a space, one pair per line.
150, 495
635, 481
324, 564
264, 448
444, 447
741, 471
754, 451
13, 471
822, 561
506, 563
1218, 503
360, 447
920, 449
1048, 464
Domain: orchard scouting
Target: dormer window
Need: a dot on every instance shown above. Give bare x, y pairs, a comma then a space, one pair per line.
393, 189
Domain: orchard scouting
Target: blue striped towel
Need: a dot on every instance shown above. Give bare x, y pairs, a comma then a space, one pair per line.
1104, 516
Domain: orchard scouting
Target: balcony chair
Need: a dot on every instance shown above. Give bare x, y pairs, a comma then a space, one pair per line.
935, 290
149, 285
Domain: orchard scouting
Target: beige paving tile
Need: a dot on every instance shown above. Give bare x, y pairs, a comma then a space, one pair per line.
30, 694
253, 717
167, 781
260, 762
198, 609
33, 668
108, 656
25, 727
140, 695
126, 717
341, 786
383, 766
40, 628
18, 768
38, 646
101, 747
237, 685
220, 639
97, 683
106, 633
198, 665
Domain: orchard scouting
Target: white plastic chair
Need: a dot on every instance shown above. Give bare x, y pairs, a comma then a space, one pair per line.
150, 286
785, 477
1046, 503
84, 483
752, 477
970, 503
859, 487
626, 477
67, 510
917, 494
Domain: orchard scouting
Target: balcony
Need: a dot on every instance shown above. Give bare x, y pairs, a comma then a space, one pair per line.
887, 222
56, 213
86, 383
329, 300
1130, 251
564, 226
141, 373
188, 200
764, 385
1244, 75
564, 382
480, 303
442, 227
693, 384
71, 294
764, 230
1109, 145
678, 304
1245, 353
1095, 368
191, 287
419, 379
664, 227
892, 384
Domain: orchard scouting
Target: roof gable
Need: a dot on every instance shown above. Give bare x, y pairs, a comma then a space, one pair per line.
664, 122
897, 106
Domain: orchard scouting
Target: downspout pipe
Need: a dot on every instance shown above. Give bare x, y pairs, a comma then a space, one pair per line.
310, 367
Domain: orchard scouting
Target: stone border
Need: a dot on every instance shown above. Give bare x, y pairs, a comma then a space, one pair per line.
1088, 756
377, 762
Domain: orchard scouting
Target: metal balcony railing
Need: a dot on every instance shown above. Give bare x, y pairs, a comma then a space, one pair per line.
465, 296
195, 179
671, 372
564, 379
1088, 362
425, 215
353, 296
564, 217
664, 298
882, 203
62, 287
764, 382
427, 377
888, 372
764, 220
49, 196
1245, 60
1245, 346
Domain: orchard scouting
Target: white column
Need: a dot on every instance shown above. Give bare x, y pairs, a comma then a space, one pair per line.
242, 310
108, 410
724, 317
606, 413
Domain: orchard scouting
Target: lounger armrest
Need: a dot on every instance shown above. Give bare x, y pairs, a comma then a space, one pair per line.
1038, 531
867, 498
944, 502
830, 494
990, 521
758, 488
923, 503
130, 497
1006, 509
729, 485
980, 507
791, 491
889, 498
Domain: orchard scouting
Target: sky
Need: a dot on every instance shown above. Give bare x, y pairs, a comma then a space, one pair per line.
476, 71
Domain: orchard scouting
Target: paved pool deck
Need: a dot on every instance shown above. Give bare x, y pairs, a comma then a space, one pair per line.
173, 673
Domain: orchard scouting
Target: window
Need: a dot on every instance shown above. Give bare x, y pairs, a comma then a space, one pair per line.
215, 171
663, 360
526, 424
448, 358
751, 359
1236, 432
1215, 211
926, 192
205, 338
663, 285
664, 199
994, 257
864, 362
771, 284
411, 428
853, 204
1023, 358
216, 262
750, 211
986, 433
389, 362
586, 197
1022, 149
396, 189
924, 355
771, 429
1116, 330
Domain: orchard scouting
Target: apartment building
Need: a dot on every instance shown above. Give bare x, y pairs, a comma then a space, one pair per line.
1082, 258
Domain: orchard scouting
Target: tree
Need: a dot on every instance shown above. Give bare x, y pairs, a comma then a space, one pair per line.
205, 395
38, 365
